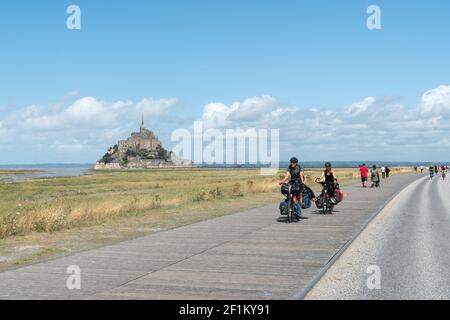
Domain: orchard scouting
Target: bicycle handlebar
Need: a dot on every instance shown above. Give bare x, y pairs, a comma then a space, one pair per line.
324, 183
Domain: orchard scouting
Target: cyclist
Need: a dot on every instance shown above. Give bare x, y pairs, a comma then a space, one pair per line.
431, 172
295, 175
330, 178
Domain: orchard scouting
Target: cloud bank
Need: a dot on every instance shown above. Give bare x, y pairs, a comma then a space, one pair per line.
373, 128
87, 126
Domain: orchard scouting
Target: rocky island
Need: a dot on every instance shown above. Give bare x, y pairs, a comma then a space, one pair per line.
142, 150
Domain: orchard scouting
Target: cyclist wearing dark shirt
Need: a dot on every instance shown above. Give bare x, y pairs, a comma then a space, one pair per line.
328, 174
295, 175
329, 177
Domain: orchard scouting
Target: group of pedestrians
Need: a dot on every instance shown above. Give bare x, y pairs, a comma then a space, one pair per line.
377, 173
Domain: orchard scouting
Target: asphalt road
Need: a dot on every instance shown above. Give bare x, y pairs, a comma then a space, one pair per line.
408, 241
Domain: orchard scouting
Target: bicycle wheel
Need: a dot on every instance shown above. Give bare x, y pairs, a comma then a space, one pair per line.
330, 209
325, 205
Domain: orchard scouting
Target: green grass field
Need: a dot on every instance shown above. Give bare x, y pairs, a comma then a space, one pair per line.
62, 203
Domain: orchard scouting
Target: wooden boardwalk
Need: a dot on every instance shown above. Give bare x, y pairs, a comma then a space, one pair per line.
249, 255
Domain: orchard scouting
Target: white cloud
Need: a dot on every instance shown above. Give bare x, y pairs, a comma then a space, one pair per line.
255, 110
252, 109
371, 127
436, 101
359, 107
216, 114
156, 108
85, 123
383, 126
90, 111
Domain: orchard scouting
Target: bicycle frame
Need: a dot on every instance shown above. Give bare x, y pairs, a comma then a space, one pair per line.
291, 202
327, 206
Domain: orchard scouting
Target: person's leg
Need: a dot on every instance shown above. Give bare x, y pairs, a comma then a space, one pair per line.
300, 196
298, 203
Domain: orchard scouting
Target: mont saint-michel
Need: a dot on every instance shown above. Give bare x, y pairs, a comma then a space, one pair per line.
142, 150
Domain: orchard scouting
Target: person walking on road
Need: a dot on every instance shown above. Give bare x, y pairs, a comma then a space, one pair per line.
364, 174
375, 177
383, 172
388, 172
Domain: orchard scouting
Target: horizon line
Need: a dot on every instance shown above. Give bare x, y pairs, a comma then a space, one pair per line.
235, 164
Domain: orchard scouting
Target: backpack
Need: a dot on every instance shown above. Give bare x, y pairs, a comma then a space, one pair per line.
306, 203
339, 195
284, 208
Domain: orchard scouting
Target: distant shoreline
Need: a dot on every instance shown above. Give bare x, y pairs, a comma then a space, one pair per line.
28, 172
311, 164
19, 172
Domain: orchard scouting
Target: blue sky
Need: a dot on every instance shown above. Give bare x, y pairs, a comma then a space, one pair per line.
304, 54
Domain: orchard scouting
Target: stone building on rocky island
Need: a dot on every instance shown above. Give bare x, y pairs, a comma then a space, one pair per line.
142, 140
142, 150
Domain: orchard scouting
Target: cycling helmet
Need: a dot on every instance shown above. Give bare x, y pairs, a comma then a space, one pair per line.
328, 165
294, 160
